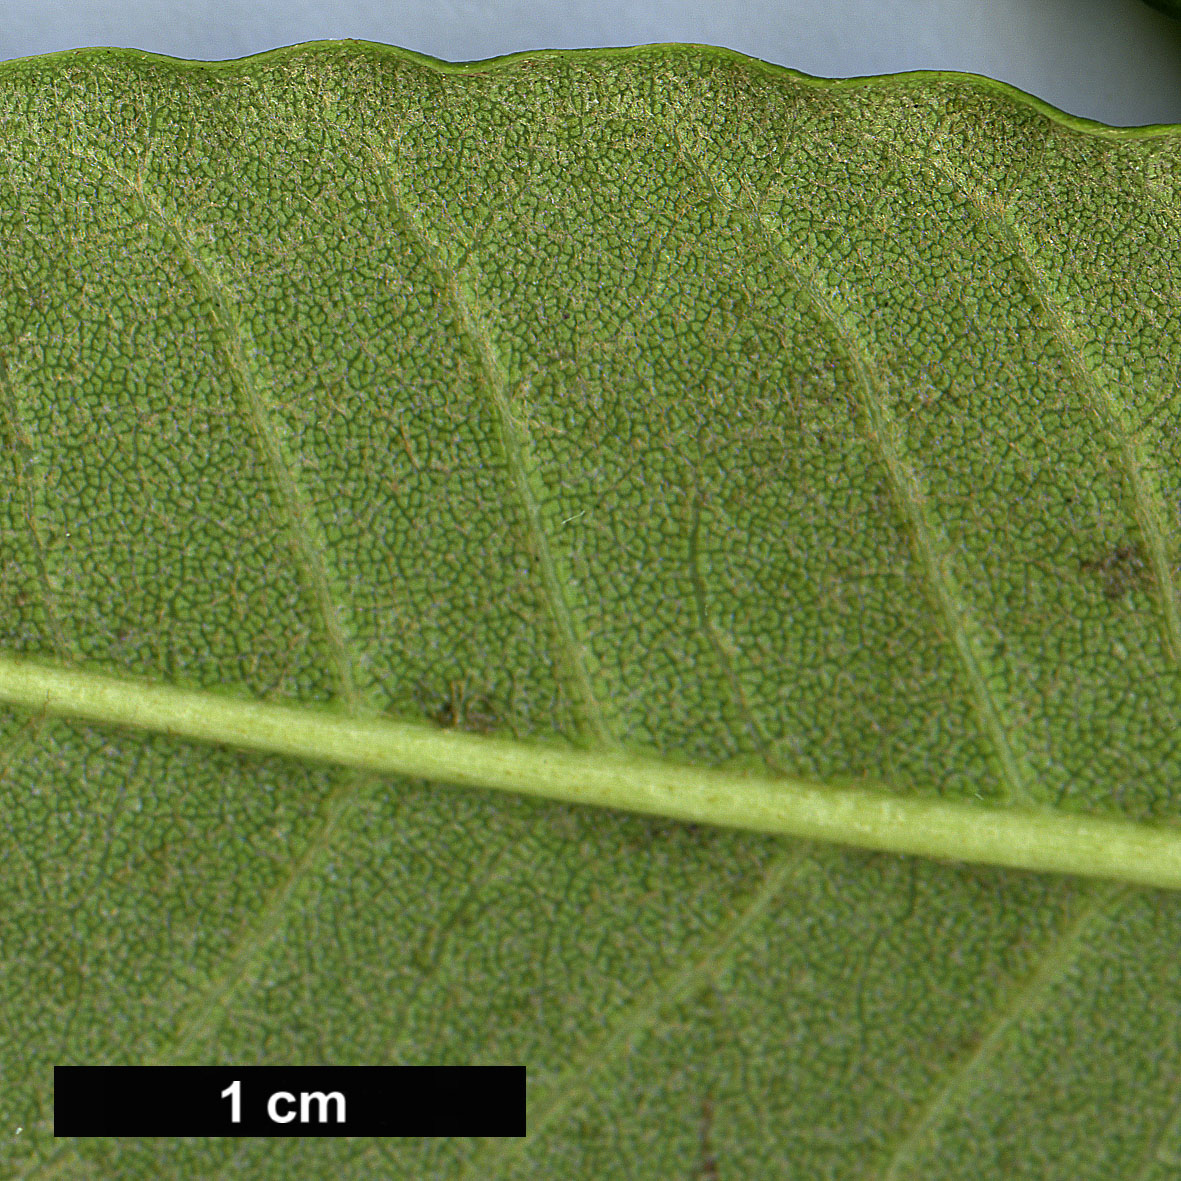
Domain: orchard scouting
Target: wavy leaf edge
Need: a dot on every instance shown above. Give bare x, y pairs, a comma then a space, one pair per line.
510, 61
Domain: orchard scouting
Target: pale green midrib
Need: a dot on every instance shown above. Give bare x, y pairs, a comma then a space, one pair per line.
865, 817
1146, 498
941, 582
305, 534
1021, 1004
679, 985
518, 456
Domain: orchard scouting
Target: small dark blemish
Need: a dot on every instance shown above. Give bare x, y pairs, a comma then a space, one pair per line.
707, 1169
1122, 569
464, 710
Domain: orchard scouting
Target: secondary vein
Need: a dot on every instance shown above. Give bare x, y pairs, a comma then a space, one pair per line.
306, 535
308, 542
934, 562
642, 1014
1143, 493
522, 465
30, 479
1023, 1002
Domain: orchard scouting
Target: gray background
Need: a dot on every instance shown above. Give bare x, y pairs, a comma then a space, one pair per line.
1113, 60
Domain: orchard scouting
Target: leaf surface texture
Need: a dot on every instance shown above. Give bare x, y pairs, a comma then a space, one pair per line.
658, 402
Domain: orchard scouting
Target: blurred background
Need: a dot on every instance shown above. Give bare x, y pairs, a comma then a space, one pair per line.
1117, 61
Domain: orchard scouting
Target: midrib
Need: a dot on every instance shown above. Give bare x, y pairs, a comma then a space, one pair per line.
868, 816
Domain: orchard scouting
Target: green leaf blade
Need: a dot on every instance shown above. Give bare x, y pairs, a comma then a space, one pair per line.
655, 403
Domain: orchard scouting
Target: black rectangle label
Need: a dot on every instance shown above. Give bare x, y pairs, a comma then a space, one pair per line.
289, 1101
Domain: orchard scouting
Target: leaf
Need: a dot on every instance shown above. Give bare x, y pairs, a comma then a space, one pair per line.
646, 406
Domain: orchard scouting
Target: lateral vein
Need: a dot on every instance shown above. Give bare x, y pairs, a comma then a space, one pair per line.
679, 985
306, 535
941, 582
30, 479
308, 542
1146, 500
522, 466
265, 924
1023, 1002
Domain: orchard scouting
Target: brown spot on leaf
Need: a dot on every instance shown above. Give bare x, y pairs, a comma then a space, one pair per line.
464, 709
1121, 569
707, 1168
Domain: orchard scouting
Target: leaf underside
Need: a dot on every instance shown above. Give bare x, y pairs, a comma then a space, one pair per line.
657, 401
